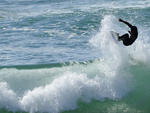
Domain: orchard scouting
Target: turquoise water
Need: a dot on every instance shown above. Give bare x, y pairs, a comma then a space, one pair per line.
59, 57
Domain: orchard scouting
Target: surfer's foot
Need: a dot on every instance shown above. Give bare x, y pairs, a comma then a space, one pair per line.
118, 36
119, 39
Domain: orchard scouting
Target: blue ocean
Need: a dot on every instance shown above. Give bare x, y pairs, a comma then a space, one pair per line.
58, 56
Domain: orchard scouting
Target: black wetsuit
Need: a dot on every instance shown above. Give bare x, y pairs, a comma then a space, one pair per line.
129, 40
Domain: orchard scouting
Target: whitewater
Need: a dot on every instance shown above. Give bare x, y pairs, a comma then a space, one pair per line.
57, 63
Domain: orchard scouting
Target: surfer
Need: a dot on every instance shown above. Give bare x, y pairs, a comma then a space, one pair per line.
128, 40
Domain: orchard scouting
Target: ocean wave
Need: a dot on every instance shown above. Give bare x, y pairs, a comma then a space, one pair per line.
57, 88
63, 93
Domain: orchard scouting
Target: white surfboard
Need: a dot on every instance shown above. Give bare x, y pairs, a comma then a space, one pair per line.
115, 35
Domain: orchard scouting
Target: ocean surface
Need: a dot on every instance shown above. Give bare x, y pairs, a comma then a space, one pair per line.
58, 56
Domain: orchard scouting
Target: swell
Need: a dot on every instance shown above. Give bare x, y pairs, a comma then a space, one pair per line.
42, 66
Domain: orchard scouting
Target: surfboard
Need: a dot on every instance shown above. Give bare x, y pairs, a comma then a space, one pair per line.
115, 35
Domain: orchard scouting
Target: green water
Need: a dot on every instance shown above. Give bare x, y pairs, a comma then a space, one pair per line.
136, 101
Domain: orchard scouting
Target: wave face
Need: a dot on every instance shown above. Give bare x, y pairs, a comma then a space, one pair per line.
58, 89
88, 72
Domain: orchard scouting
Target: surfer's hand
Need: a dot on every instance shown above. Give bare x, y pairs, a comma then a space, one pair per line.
120, 20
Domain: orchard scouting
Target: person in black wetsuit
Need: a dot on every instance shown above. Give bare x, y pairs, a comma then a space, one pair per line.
128, 40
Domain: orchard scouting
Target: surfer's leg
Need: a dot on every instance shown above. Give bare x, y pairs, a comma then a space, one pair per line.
123, 37
127, 42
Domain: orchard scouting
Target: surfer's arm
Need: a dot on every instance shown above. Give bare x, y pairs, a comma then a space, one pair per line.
125, 22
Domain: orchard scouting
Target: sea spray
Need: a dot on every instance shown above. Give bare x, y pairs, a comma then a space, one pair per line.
139, 52
113, 53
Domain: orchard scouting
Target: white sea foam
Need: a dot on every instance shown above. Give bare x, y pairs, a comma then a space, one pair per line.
113, 53
8, 99
63, 93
